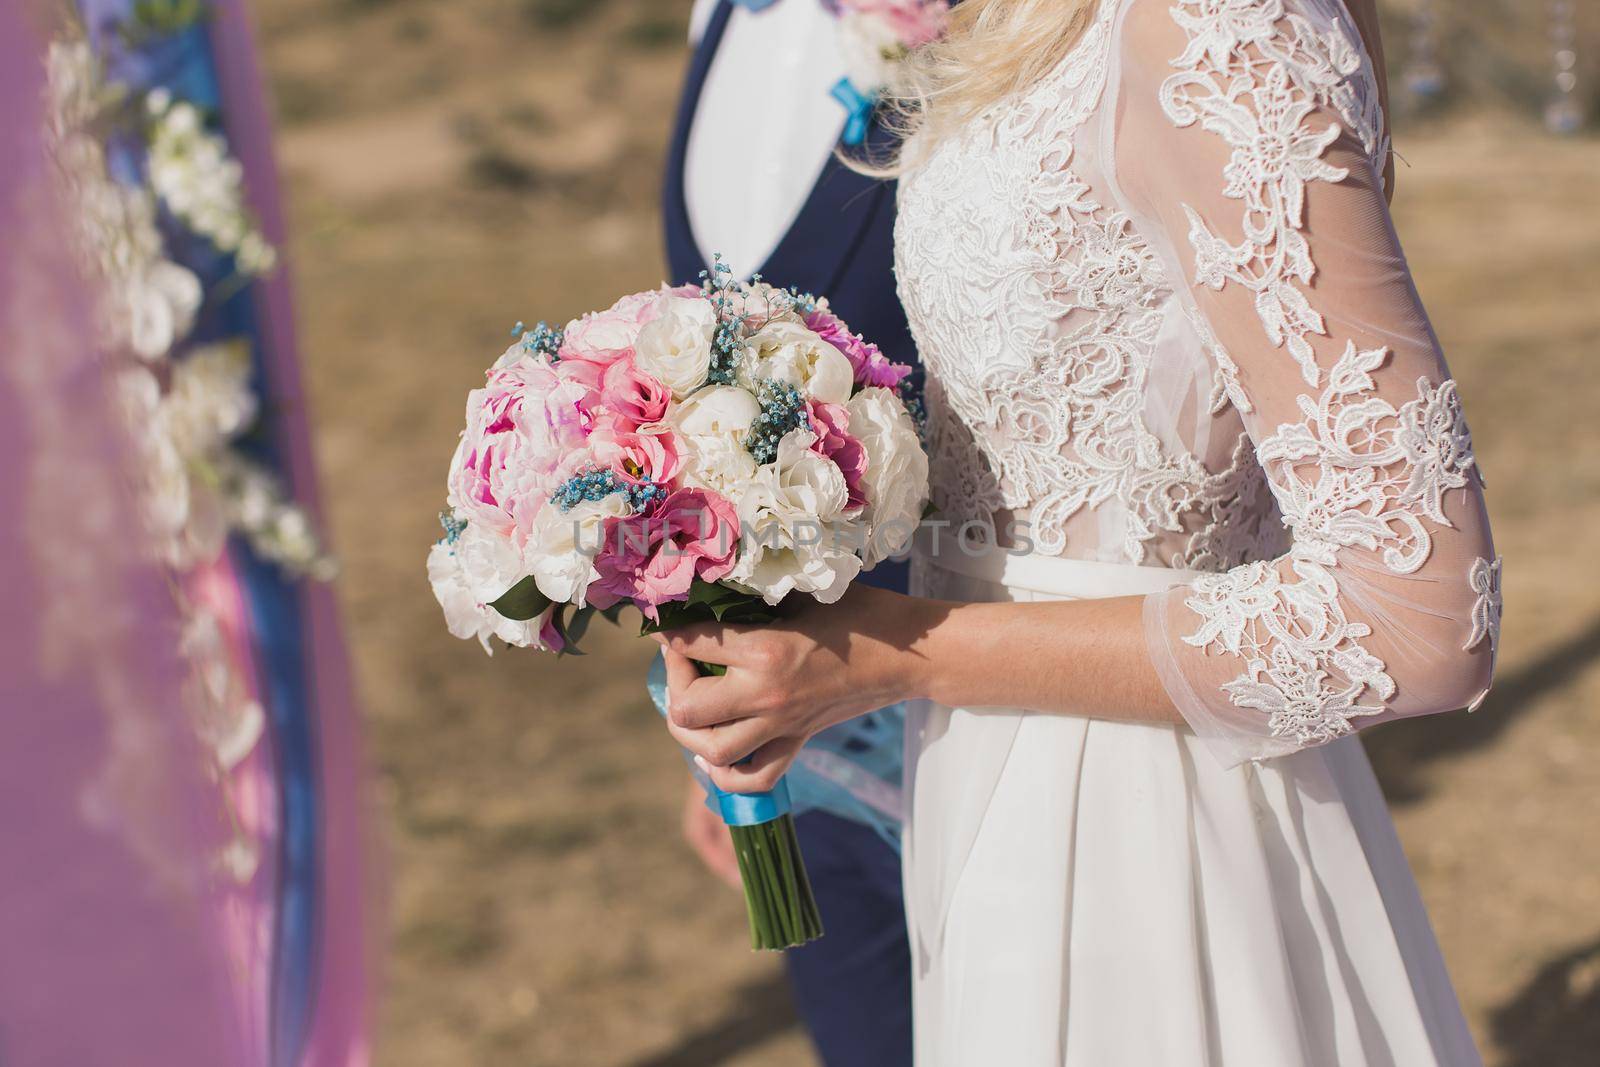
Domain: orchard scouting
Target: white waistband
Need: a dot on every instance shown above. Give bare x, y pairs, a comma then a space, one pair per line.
1085, 579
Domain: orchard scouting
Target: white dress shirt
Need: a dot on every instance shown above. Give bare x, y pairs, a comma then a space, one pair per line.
764, 127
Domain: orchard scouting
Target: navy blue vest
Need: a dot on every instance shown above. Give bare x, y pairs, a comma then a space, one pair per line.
841, 245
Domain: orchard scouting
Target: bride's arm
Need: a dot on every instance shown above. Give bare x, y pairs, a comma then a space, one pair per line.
829, 663
1248, 157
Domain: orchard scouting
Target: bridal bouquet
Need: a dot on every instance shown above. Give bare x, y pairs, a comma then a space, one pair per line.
700, 453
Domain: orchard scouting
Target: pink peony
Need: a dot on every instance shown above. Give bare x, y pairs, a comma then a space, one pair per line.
519, 427
603, 337
606, 336
871, 366
654, 557
630, 398
831, 424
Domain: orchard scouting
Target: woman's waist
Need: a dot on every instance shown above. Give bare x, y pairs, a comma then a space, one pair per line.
950, 565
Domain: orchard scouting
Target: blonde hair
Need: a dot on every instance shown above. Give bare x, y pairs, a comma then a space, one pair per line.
990, 50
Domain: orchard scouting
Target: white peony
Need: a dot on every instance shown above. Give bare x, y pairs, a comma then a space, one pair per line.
467, 576
725, 411
725, 467
795, 538
675, 347
563, 544
712, 425
760, 303
896, 479
789, 352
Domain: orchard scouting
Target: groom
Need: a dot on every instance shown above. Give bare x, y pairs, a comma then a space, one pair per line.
752, 176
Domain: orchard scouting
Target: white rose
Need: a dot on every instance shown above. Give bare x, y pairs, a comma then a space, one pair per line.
896, 479
467, 576
712, 425
795, 540
563, 544
789, 352
675, 347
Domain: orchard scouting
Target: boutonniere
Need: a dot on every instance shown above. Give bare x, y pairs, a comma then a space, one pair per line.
877, 36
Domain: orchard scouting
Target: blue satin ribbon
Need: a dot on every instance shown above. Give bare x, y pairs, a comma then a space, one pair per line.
753, 809
858, 110
753, 5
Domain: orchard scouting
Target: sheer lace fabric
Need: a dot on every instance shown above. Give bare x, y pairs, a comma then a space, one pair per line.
1167, 321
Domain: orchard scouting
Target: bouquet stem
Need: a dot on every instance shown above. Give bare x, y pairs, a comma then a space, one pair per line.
777, 894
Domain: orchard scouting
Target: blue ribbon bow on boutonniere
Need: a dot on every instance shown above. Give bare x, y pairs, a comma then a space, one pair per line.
911, 24
858, 110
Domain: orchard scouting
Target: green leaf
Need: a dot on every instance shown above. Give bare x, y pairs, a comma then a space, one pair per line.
522, 601
573, 629
713, 593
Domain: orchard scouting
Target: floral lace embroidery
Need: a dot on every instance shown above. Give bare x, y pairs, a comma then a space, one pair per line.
1358, 472
1254, 75
1239, 517
1292, 635
1225, 387
1484, 579
1038, 346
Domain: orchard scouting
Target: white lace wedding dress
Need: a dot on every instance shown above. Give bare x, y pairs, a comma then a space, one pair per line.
1168, 324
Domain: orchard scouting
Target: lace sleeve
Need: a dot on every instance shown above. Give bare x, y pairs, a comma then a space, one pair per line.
1249, 142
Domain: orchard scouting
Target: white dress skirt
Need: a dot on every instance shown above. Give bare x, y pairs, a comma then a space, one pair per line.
1105, 894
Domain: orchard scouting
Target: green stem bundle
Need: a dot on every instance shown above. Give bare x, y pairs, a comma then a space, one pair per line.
777, 894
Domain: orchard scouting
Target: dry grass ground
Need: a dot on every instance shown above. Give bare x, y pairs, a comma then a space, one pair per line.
457, 166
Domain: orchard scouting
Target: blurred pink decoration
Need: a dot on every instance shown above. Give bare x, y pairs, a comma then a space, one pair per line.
110, 825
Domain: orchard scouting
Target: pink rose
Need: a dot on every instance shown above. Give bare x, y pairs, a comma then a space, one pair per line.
638, 457
831, 424
654, 557
871, 366
632, 398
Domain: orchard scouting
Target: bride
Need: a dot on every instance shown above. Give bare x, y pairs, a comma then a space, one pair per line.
1209, 507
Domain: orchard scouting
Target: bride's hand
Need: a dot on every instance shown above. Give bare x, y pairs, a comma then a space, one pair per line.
787, 681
